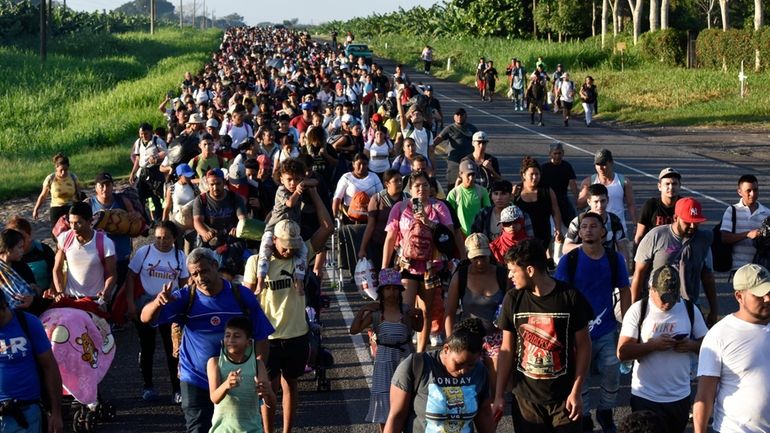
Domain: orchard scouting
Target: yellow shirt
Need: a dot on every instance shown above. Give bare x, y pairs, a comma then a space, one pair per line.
62, 190
282, 305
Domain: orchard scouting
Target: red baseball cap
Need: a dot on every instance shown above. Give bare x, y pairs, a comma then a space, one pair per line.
689, 210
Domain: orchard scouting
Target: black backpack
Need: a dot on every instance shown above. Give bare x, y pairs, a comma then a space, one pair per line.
643, 314
721, 252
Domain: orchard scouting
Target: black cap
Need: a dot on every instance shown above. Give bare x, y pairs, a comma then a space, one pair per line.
104, 177
460, 111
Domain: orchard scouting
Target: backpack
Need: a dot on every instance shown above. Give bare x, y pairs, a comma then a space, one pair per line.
384, 203
419, 240
572, 262
721, 252
79, 194
411, 129
191, 298
358, 210
131, 195
615, 226
183, 148
643, 314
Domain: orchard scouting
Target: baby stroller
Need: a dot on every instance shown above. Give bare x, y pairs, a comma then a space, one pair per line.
319, 359
83, 345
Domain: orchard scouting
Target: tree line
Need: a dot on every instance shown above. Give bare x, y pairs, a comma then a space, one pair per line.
559, 19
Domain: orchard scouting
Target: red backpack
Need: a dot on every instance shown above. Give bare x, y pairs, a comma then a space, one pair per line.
418, 241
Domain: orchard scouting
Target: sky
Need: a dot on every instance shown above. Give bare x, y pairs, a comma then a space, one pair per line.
256, 11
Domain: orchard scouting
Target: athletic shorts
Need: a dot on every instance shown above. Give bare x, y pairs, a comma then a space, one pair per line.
288, 357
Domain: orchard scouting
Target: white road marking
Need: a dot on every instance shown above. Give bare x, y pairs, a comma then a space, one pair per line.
362, 352
578, 148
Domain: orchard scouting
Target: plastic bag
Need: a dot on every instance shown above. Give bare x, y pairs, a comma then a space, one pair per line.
365, 279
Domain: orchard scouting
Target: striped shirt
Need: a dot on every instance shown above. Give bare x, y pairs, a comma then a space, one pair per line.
745, 220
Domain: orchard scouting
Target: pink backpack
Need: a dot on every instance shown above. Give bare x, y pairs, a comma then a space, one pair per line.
418, 241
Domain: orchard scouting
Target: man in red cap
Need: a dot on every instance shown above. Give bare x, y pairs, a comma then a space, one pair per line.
683, 246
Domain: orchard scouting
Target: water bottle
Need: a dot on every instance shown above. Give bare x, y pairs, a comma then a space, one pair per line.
626, 366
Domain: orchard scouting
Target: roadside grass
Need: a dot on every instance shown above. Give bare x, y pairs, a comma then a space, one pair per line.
88, 100
643, 92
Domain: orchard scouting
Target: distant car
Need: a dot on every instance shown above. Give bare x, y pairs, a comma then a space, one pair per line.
359, 50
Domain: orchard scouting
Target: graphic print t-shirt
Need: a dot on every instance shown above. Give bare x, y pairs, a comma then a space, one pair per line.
442, 403
544, 327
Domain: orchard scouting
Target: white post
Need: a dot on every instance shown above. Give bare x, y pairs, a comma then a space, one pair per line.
449, 64
386, 45
742, 78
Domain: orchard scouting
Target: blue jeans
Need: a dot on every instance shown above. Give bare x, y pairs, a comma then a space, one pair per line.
34, 419
197, 407
605, 363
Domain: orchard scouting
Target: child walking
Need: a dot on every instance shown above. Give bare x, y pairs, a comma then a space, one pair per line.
393, 330
238, 382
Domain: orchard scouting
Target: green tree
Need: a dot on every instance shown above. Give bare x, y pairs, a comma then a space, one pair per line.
493, 17
142, 7
563, 17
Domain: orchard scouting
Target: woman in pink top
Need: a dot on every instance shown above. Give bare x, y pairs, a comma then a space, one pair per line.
410, 230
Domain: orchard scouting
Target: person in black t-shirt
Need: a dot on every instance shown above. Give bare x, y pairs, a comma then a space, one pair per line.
546, 346
658, 211
559, 175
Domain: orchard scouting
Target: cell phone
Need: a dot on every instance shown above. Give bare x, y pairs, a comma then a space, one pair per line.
679, 336
170, 94
417, 206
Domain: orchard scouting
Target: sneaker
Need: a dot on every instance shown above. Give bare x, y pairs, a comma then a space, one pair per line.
177, 398
540, 124
604, 417
149, 394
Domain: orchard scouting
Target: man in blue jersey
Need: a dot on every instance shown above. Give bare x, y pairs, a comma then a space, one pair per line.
203, 313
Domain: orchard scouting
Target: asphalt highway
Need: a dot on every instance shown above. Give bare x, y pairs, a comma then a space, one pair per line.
707, 160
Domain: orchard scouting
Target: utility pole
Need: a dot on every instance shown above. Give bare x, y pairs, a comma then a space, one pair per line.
152, 17
193, 13
203, 24
180, 14
43, 32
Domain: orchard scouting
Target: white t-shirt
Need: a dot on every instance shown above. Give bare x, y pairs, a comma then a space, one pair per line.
156, 268
567, 90
378, 156
349, 185
151, 148
744, 250
239, 134
616, 197
662, 376
85, 273
736, 352
421, 139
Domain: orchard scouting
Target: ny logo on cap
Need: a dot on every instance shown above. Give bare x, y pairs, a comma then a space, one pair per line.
693, 211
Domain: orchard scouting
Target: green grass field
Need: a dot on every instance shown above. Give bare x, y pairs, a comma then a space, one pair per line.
642, 93
88, 100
